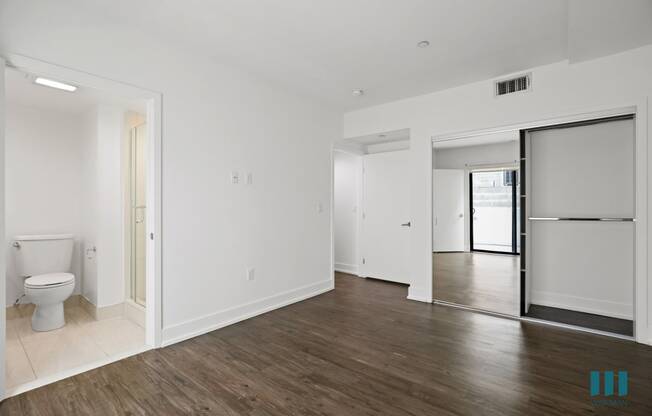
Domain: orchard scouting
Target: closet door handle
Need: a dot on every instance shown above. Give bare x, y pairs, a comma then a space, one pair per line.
407, 224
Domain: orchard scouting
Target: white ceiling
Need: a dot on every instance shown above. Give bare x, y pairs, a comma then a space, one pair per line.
20, 89
328, 48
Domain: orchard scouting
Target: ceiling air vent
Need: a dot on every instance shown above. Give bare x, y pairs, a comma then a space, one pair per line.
508, 86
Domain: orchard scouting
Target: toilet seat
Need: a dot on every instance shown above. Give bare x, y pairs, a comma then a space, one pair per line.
49, 280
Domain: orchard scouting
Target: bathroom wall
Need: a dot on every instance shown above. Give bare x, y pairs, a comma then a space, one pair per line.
103, 196
43, 162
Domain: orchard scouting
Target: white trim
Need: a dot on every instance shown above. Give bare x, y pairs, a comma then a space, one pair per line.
346, 268
331, 218
154, 118
640, 108
418, 297
207, 323
581, 304
3, 269
43, 381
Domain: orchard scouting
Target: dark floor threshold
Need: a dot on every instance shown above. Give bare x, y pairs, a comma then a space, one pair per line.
586, 320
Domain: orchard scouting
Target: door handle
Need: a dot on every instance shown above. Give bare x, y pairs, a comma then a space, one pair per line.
407, 224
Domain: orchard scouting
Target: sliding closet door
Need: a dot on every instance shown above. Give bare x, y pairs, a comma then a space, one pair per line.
577, 175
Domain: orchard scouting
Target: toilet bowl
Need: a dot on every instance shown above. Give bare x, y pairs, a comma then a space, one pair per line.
44, 262
48, 292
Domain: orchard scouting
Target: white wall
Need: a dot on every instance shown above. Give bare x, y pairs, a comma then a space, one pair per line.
558, 90
347, 182
90, 204
215, 120
43, 163
462, 157
104, 206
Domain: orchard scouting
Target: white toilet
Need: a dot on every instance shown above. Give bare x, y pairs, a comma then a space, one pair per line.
44, 260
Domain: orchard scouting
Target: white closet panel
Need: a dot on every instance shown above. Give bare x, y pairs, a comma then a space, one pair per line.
583, 266
582, 172
585, 171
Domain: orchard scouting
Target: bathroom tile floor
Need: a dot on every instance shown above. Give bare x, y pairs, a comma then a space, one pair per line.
31, 355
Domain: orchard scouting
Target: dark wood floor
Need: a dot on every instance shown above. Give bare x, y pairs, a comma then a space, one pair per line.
362, 349
484, 281
586, 320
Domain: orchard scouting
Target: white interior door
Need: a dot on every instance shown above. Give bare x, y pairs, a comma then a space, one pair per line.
448, 203
385, 241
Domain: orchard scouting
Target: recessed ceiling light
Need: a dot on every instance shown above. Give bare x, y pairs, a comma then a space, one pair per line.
357, 93
423, 44
54, 84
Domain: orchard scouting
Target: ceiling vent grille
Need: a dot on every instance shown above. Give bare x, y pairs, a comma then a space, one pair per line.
509, 86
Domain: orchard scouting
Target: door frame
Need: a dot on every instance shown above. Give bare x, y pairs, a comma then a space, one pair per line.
640, 109
514, 251
153, 314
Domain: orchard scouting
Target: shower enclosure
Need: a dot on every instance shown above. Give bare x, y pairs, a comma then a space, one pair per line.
138, 214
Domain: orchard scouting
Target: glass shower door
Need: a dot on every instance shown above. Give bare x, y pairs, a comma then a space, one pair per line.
138, 212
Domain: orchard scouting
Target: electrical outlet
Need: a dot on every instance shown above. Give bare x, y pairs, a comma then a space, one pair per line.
235, 178
250, 178
251, 275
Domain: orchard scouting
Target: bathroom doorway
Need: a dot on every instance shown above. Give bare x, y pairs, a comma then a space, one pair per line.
82, 169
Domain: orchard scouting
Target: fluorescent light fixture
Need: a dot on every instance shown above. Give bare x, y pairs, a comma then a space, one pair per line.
54, 84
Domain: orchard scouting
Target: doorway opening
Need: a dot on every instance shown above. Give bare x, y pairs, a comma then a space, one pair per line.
495, 208
371, 214
80, 172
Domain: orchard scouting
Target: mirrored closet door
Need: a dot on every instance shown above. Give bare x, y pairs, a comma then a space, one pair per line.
476, 207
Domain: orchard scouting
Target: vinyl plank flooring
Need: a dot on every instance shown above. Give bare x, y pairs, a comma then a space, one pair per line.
486, 281
362, 349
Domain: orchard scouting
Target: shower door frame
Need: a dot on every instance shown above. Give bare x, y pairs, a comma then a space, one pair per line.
133, 217
153, 99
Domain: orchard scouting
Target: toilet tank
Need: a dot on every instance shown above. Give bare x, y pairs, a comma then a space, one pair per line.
40, 254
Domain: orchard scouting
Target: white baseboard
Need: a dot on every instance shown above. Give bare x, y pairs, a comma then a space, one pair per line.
101, 312
419, 297
189, 329
580, 304
135, 313
346, 268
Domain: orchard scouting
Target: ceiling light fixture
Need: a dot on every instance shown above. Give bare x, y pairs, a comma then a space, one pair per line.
423, 44
358, 93
54, 84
